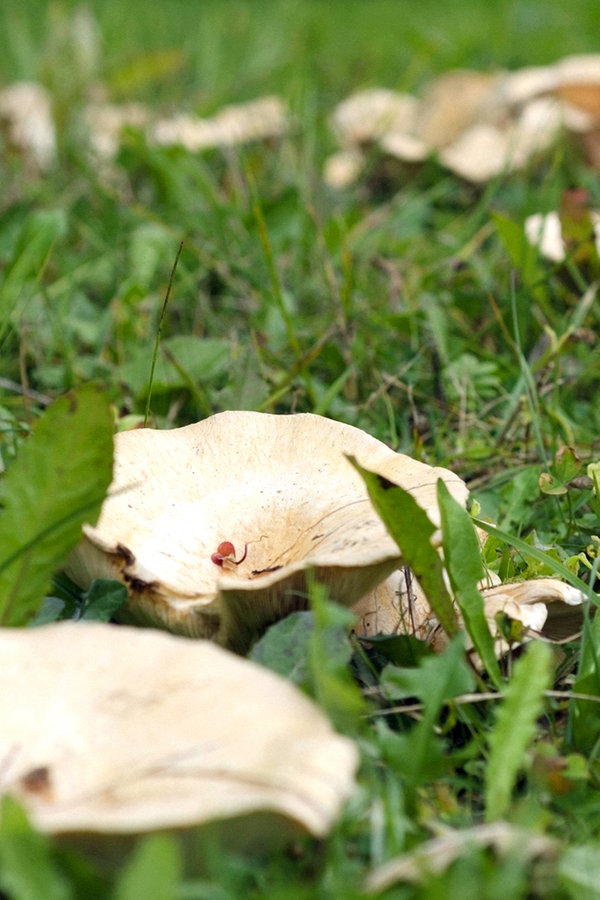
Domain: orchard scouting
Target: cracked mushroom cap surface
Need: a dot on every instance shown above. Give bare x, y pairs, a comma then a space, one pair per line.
114, 730
278, 489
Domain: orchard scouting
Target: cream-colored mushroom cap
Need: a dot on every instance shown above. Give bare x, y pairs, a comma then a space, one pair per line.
278, 488
110, 729
545, 607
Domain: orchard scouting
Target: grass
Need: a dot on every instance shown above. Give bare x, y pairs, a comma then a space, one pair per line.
407, 306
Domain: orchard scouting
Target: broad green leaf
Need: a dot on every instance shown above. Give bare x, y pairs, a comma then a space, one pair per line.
410, 527
57, 482
567, 464
284, 647
417, 756
26, 866
150, 244
515, 726
313, 650
153, 871
462, 555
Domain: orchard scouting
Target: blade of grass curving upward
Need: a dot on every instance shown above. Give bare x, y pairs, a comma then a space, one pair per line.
159, 332
462, 555
57, 482
409, 525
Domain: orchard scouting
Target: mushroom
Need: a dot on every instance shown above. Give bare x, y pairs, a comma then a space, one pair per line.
545, 233
504, 120
26, 120
215, 527
117, 730
544, 606
262, 119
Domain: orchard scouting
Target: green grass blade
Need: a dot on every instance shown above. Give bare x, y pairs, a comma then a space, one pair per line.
462, 555
57, 482
269, 256
397, 507
515, 726
159, 332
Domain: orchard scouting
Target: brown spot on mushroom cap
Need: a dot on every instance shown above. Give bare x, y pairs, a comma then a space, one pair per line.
37, 781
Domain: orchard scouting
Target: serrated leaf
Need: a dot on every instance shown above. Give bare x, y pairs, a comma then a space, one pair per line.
57, 482
397, 507
462, 555
515, 726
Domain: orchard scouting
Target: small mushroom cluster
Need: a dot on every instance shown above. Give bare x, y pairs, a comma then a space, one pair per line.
478, 125
573, 230
29, 129
216, 529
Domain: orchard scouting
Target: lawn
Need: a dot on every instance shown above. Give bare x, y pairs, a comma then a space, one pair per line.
407, 303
